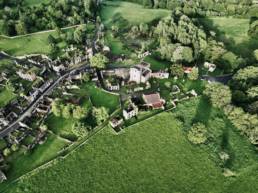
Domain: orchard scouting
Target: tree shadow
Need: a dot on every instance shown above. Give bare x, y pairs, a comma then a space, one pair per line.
203, 111
226, 147
244, 49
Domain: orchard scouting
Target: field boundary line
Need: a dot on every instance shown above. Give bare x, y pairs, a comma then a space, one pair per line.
40, 32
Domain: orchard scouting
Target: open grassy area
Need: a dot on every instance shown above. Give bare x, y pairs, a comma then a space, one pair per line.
147, 158
32, 44
234, 33
132, 12
6, 95
36, 43
157, 65
152, 156
61, 126
21, 162
98, 96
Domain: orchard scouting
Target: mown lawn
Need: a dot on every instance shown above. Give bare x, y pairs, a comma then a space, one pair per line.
132, 12
98, 97
157, 65
151, 156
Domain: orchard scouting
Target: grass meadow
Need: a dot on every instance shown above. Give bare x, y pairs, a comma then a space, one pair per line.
6, 95
24, 161
31, 44
234, 33
153, 156
134, 13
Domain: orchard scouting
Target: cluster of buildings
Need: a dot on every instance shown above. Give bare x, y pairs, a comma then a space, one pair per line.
138, 74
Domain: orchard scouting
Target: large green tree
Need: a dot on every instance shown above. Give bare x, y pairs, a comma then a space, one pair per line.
100, 114
98, 61
219, 94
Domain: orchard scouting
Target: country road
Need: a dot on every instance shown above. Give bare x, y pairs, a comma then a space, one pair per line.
27, 112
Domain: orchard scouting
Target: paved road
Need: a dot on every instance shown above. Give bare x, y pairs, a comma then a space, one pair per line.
224, 79
27, 112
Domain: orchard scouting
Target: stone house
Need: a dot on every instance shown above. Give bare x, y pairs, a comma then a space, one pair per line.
131, 111
211, 67
116, 122
140, 73
27, 76
160, 75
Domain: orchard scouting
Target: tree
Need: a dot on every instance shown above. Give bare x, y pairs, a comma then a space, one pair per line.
177, 70
100, 114
21, 28
80, 129
86, 77
79, 34
6, 152
219, 94
98, 61
197, 133
114, 29
80, 112
51, 40
14, 147
194, 75
56, 108
67, 111
256, 54
253, 92
182, 53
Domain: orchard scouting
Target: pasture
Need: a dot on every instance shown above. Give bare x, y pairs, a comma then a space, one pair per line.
152, 156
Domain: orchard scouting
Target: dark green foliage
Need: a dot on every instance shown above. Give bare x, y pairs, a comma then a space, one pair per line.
23, 19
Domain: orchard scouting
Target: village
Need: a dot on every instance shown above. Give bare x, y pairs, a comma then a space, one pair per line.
142, 93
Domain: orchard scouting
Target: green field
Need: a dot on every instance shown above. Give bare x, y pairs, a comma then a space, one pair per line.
6, 95
36, 43
31, 44
133, 13
23, 161
234, 33
152, 156
61, 126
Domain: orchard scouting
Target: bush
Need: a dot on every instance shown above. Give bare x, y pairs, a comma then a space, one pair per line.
197, 134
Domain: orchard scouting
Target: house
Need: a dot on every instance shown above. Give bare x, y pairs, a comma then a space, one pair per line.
33, 95
131, 111
27, 76
113, 87
187, 70
153, 101
211, 67
192, 93
145, 54
58, 68
106, 49
160, 75
116, 122
140, 73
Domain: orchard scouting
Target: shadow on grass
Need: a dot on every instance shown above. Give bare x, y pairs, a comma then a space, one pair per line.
203, 111
244, 49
